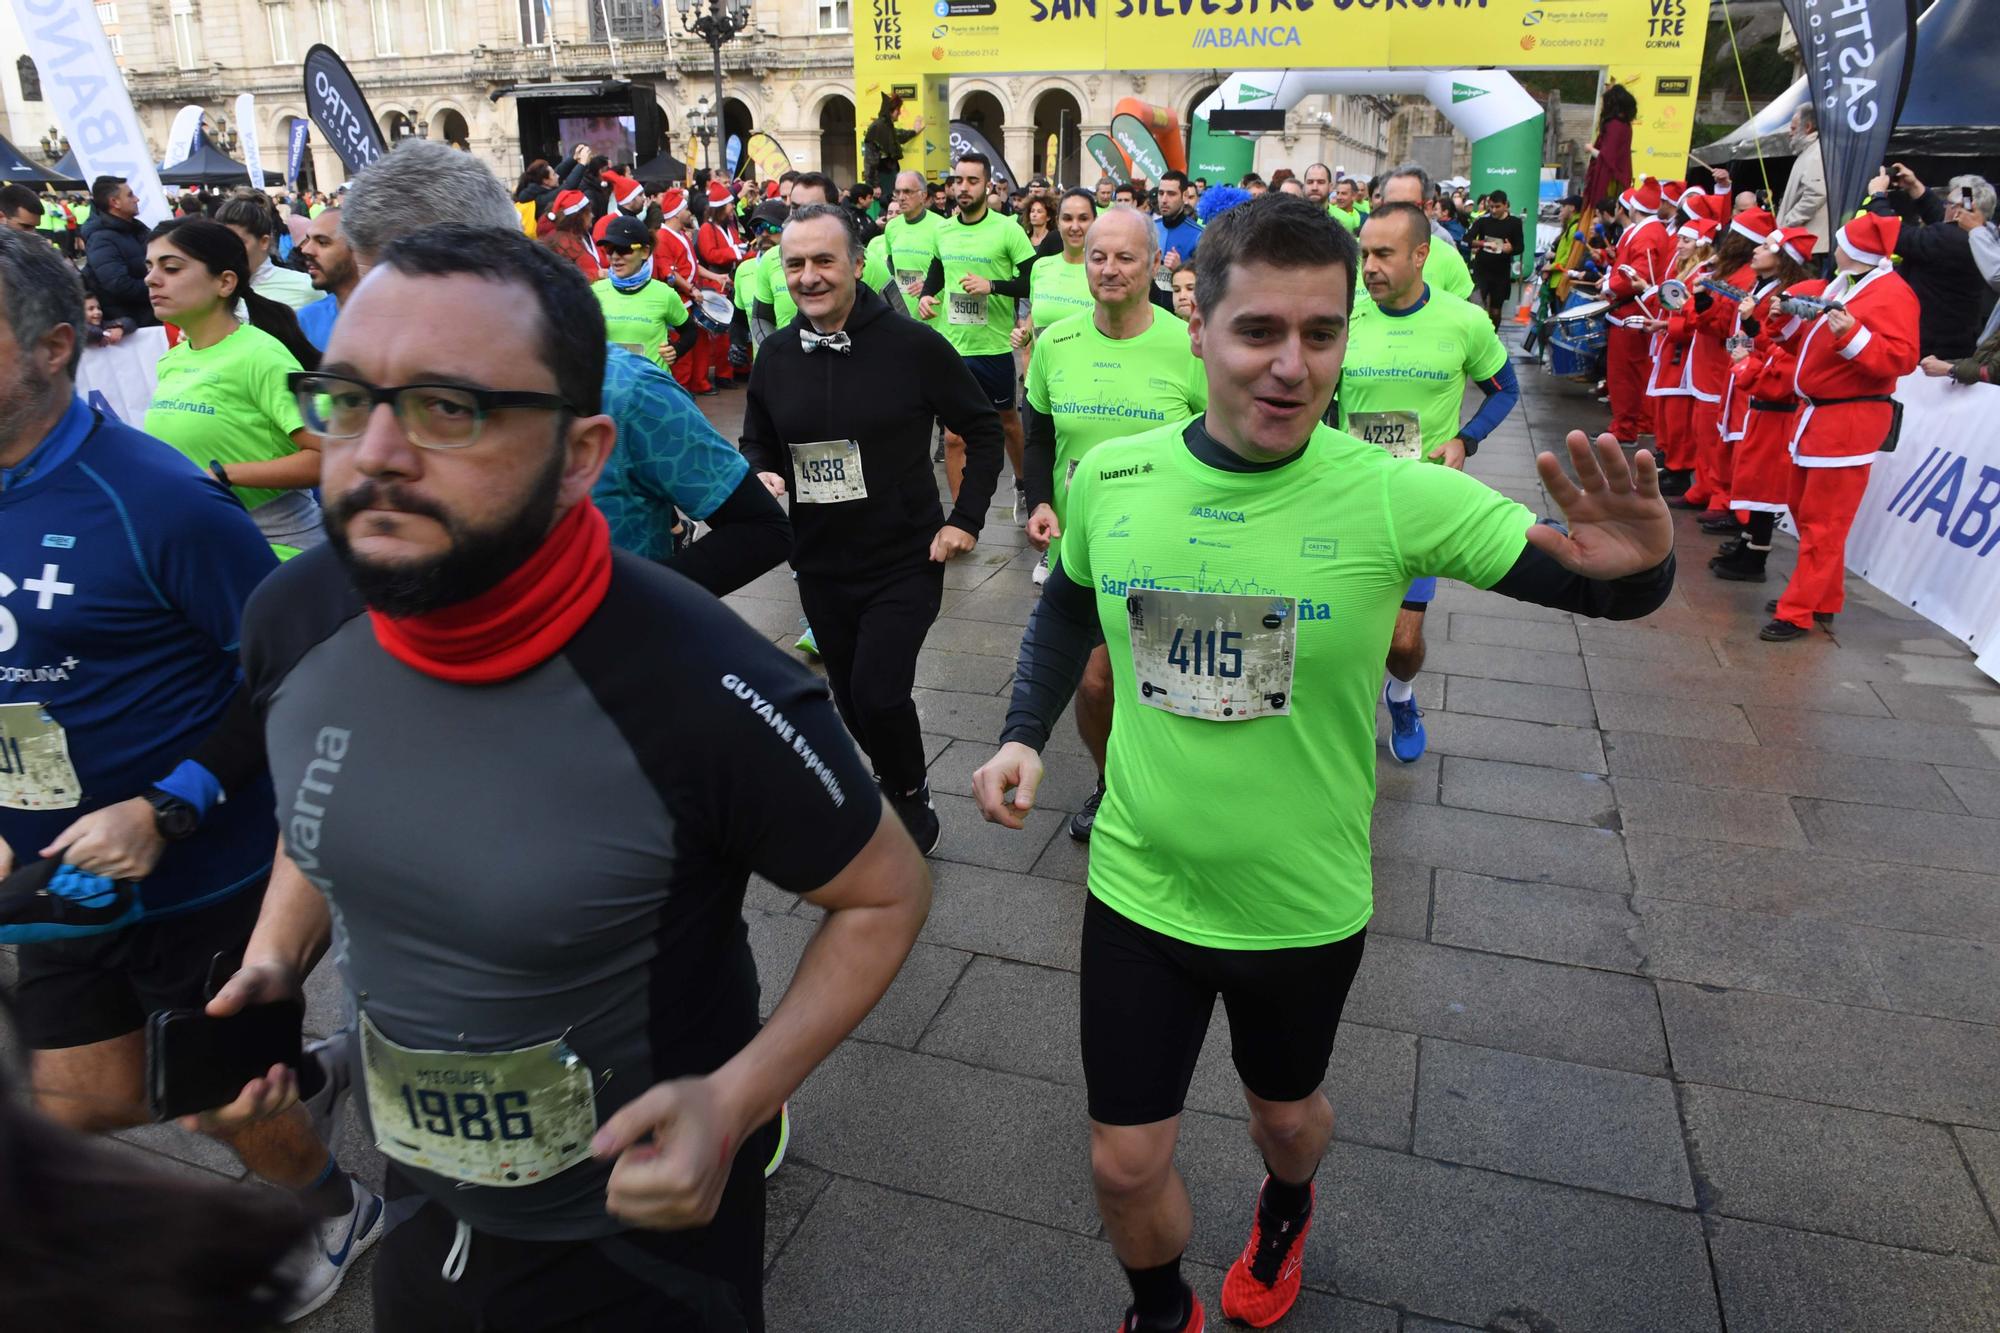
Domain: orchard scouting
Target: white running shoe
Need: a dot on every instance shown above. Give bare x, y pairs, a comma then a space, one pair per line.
328, 1254
1041, 574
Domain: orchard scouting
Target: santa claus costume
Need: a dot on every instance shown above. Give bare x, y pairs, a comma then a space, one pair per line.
1849, 360
720, 249
1642, 257
1761, 382
1670, 383
674, 263
1710, 320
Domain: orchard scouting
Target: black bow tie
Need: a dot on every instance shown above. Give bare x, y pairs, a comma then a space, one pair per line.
832, 342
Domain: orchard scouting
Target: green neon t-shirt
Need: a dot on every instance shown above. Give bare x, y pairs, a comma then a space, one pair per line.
1350, 218
1254, 834
909, 247
994, 247
749, 283
1417, 362
1057, 289
228, 404
639, 321
1445, 270
1097, 388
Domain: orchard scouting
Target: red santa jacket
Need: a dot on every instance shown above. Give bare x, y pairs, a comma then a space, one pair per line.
673, 255
1768, 330
1672, 348
719, 249
1880, 349
1647, 247
1711, 317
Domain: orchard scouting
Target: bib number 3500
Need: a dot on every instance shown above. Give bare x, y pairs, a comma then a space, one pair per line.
502, 1118
1221, 657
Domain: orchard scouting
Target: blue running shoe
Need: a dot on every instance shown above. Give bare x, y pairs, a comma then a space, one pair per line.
1406, 728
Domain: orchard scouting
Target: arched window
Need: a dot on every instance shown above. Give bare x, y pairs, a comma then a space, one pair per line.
31, 79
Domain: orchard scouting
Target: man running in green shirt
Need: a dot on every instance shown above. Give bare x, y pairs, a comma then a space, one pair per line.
1123, 368
910, 236
1245, 568
980, 271
1346, 208
640, 312
1445, 268
774, 298
1410, 353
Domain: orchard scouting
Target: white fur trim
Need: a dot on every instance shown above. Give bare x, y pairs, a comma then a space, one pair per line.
1861, 339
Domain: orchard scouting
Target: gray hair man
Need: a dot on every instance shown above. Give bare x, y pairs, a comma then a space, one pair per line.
669, 461
1939, 262
133, 603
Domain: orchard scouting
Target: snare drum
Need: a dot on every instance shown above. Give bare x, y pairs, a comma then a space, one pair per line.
1577, 337
712, 311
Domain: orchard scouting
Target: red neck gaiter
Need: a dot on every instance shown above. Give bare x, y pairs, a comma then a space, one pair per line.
522, 621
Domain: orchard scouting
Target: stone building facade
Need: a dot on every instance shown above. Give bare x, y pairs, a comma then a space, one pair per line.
443, 69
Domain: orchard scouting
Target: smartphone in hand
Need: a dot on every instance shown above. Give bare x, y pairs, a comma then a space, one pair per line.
197, 1063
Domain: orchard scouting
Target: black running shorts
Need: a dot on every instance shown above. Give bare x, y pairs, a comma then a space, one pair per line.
1147, 999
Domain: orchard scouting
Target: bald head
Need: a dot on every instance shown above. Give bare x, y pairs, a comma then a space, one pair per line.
1122, 227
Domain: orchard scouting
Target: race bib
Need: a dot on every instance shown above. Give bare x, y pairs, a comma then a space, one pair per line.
499, 1118
828, 472
1222, 657
1398, 432
636, 349
911, 281
967, 309
35, 771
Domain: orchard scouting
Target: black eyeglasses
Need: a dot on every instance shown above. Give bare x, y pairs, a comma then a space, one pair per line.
433, 416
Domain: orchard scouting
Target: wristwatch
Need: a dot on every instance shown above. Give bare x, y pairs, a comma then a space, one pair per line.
173, 817
218, 471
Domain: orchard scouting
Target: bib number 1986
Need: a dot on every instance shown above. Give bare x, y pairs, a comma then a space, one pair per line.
1221, 657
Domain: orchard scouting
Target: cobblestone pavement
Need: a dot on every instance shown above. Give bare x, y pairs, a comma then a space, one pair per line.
1680, 1010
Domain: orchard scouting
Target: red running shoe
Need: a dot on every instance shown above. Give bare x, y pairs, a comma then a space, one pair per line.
1194, 1320
1262, 1285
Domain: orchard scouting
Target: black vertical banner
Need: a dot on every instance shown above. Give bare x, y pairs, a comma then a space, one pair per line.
336, 105
1858, 56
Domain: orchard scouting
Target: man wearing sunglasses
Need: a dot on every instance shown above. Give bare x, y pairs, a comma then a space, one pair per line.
533, 775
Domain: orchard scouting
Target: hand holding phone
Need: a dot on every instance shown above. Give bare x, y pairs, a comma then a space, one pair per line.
197, 1064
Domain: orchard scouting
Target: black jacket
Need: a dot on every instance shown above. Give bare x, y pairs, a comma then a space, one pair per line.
897, 378
114, 255
1938, 265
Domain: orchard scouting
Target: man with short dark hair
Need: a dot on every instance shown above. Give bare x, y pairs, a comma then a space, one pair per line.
330, 266
839, 417
1318, 182
980, 271
567, 957
1126, 193
20, 208
1176, 231
1496, 239
114, 252
1346, 207
1245, 568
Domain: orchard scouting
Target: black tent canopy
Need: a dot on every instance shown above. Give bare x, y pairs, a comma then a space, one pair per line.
209, 165
17, 167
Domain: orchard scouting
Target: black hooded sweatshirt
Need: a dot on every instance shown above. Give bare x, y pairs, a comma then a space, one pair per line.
884, 393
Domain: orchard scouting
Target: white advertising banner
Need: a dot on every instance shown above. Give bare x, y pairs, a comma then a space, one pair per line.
246, 132
85, 88
180, 139
1930, 522
118, 380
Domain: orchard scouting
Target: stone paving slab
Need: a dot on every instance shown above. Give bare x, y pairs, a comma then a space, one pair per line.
1871, 1177
1717, 763
1778, 1281
1521, 702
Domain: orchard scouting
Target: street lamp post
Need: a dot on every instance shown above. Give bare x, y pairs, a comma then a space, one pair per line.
715, 22
701, 121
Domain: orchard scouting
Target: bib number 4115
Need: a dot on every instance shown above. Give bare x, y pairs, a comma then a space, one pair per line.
1207, 653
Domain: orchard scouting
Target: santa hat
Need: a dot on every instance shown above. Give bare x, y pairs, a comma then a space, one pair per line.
770, 189
1712, 208
671, 204
718, 194
1755, 224
1643, 197
1701, 229
1871, 237
1797, 242
570, 202
624, 190
1671, 193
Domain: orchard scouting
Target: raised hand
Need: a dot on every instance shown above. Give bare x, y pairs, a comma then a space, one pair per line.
1618, 524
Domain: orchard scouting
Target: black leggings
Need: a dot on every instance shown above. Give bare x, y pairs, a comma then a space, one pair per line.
868, 632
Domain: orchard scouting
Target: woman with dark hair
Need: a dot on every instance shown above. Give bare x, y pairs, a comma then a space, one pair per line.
1039, 219
1611, 156
249, 214
570, 236
93, 1238
222, 397
536, 195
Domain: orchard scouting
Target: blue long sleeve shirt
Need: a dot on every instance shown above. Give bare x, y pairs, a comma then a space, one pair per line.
123, 573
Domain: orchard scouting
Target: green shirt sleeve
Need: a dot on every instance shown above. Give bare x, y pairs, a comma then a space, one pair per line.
1445, 269
1453, 526
676, 309
273, 396
1197, 386
1038, 383
1019, 248
1074, 556
1486, 354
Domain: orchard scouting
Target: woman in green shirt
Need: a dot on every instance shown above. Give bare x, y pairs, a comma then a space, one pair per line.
1057, 285
221, 396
